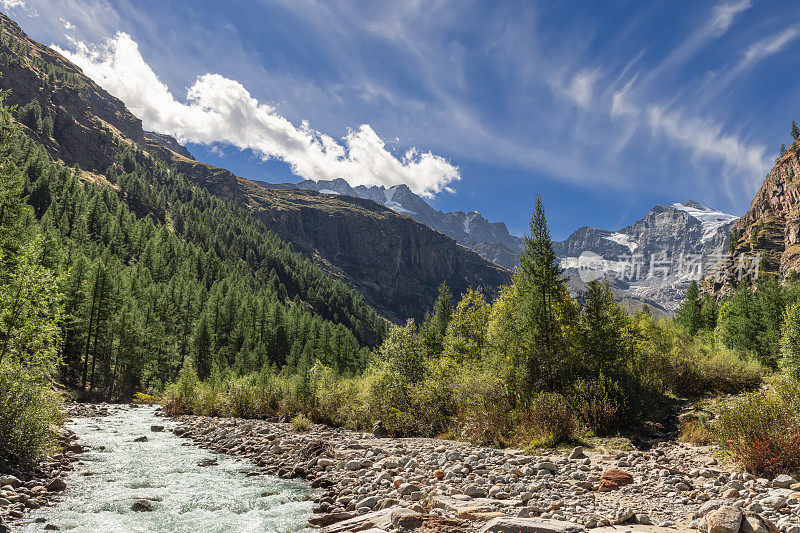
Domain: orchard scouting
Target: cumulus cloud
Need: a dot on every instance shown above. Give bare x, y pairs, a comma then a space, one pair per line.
11, 4
18, 6
221, 110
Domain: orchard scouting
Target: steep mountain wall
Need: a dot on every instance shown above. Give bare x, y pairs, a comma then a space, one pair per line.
85, 117
770, 229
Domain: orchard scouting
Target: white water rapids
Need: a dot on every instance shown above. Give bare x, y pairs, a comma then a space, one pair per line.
185, 497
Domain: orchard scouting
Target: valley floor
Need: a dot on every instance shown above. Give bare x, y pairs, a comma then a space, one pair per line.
383, 484
363, 483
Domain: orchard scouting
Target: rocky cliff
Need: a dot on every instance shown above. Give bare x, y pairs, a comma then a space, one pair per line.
769, 232
490, 239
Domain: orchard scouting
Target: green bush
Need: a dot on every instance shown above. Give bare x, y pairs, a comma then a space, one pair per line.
790, 341
761, 430
301, 423
548, 421
30, 413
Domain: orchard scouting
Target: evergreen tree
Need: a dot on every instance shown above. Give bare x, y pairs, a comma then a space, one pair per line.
794, 132
543, 292
434, 327
690, 312
202, 348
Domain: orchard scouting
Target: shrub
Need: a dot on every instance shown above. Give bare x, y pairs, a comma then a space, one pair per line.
548, 421
141, 397
301, 423
30, 412
485, 415
695, 427
181, 397
790, 341
243, 399
761, 430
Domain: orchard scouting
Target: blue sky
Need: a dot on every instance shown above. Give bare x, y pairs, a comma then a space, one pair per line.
605, 108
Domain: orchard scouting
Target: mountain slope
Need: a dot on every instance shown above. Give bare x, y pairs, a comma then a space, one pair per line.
396, 262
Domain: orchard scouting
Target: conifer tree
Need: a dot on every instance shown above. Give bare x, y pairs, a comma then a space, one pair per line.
794, 132
542, 288
689, 313
790, 341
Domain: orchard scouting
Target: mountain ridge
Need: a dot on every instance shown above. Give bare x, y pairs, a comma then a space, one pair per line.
691, 229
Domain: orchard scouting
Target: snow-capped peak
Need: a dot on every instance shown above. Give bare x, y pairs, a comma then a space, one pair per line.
391, 204
711, 219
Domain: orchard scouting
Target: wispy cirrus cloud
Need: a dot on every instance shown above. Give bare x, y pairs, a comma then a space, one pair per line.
220, 110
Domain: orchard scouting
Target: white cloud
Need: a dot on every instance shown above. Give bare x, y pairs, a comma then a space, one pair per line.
705, 139
724, 14
581, 88
768, 46
12, 4
67, 24
221, 110
18, 6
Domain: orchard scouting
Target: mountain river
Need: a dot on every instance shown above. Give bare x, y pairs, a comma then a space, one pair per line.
115, 472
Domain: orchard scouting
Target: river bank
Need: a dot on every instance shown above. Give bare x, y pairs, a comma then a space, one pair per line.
381, 484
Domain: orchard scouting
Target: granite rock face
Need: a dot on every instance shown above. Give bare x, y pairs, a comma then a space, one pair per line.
770, 229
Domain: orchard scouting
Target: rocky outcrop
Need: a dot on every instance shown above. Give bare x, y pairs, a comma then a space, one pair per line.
770, 230
86, 119
490, 239
160, 141
395, 262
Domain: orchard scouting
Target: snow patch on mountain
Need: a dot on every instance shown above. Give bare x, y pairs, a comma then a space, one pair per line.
711, 219
391, 204
624, 240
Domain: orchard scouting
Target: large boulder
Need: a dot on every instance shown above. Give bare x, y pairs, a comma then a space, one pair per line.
10, 480
726, 519
614, 478
141, 506
754, 523
509, 524
382, 519
56, 485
